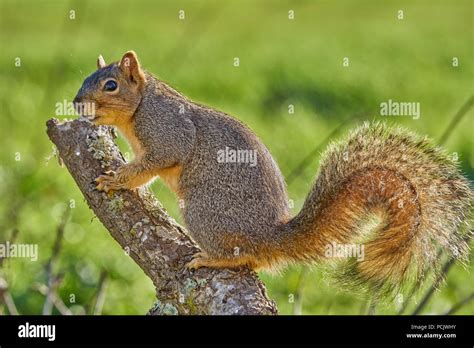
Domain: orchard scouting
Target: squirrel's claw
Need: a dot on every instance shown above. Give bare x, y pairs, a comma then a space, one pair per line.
199, 254
107, 182
198, 261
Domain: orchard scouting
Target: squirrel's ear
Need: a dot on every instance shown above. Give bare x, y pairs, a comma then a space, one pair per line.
100, 62
131, 67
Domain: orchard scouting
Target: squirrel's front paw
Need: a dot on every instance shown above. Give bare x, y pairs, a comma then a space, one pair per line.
108, 182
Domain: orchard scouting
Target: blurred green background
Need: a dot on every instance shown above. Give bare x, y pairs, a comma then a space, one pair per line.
282, 62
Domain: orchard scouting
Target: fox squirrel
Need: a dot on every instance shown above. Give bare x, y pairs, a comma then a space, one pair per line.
382, 187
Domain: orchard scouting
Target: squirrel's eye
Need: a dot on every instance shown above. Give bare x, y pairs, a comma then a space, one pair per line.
110, 86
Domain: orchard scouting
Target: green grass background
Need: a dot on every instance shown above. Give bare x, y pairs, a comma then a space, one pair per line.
282, 62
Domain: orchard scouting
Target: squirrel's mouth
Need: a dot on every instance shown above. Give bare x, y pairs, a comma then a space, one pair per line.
91, 117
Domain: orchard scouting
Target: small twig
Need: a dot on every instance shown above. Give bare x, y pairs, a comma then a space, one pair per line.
57, 301
456, 119
372, 306
298, 300
50, 278
7, 298
60, 305
309, 157
414, 289
441, 276
101, 293
12, 215
439, 279
363, 306
460, 304
5, 295
12, 240
9, 302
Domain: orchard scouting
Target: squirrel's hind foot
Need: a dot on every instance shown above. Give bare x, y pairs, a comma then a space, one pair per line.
202, 259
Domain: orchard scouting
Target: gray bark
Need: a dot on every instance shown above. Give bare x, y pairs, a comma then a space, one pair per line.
138, 222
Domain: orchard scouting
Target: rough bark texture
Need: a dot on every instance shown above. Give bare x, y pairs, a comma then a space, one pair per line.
138, 222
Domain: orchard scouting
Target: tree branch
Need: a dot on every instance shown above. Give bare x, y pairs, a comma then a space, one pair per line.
138, 222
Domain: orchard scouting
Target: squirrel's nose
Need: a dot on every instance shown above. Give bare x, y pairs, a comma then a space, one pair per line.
78, 104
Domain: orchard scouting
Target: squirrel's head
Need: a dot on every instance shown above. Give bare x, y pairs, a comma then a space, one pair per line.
111, 95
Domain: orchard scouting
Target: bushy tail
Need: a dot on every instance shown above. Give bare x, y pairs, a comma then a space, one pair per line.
385, 201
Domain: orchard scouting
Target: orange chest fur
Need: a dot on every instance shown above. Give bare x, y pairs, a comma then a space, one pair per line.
170, 175
129, 134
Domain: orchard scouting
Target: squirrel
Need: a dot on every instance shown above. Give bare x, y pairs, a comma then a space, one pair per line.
382, 187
